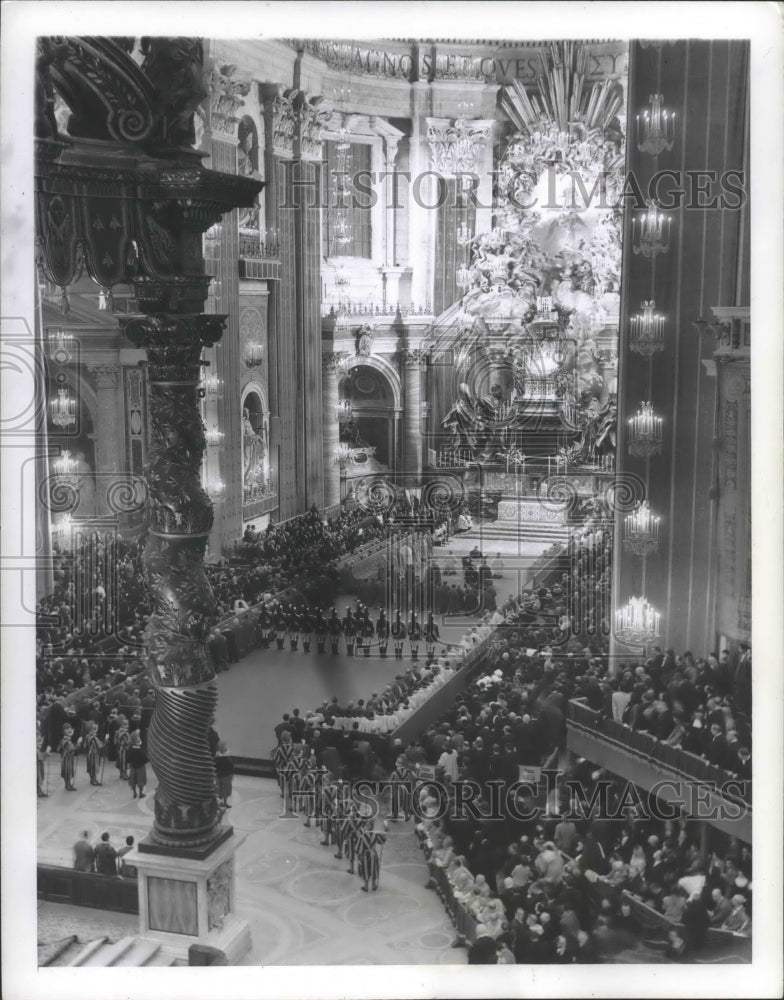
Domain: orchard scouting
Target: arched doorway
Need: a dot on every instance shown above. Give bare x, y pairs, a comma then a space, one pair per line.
367, 409
255, 447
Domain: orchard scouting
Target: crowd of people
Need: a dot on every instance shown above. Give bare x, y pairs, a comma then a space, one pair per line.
103, 857
554, 889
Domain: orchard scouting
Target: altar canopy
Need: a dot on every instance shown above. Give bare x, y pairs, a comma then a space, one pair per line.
525, 364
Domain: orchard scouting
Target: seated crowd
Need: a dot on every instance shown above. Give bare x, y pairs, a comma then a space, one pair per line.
548, 889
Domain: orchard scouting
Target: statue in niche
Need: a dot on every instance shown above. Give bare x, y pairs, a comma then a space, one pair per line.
254, 450
462, 421
365, 341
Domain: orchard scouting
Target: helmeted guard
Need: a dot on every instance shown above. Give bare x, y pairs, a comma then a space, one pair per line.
414, 635
370, 844
335, 627
341, 826
285, 758
293, 625
122, 740
398, 635
354, 823
367, 630
350, 631
321, 631
382, 631
94, 747
67, 751
402, 778
281, 626
329, 808
306, 624
263, 626
431, 637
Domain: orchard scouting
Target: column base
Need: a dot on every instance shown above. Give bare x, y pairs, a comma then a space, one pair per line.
185, 900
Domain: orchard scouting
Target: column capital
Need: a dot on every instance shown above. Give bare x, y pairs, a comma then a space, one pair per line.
105, 375
333, 361
415, 357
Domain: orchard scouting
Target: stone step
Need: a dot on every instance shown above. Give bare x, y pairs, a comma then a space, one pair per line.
141, 952
161, 958
109, 954
90, 949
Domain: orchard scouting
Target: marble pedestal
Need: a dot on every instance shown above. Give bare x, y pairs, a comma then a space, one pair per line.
185, 901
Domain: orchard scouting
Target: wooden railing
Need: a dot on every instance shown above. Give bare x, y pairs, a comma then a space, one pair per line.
101, 892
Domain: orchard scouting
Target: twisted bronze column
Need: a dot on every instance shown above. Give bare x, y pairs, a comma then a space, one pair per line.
183, 606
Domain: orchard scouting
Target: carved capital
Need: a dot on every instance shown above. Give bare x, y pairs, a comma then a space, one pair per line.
416, 357
226, 90
334, 361
281, 118
456, 147
105, 375
312, 118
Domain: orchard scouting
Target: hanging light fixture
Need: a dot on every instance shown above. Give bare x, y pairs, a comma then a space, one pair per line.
646, 331
344, 409
637, 623
342, 453
213, 385
254, 354
61, 345
645, 432
63, 407
462, 277
65, 467
214, 436
216, 487
651, 232
641, 531
464, 234
655, 127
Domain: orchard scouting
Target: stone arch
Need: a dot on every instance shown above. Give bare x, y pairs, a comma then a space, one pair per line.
386, 369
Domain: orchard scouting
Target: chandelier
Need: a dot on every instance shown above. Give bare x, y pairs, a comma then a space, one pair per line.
63, 408
213, 385
464, 234
65, 467
645, 432
342, 453
61, 345
216, 486
646, 335
651, 235
463, 277
344, 409
214, 436
655, 127
637, 623
254, 354
341, 230
641, 531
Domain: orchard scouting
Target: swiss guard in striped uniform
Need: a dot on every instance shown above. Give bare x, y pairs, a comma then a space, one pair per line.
281, 626
350, 631
122, 739
370, 845
321, 632
335, 627
263, 626
354, 824
342, 828
293, 625
67, 751
94, 747
431, 637
367, 630
306, 623
382, 631
398, 635
328, 816
284, 758
414, 636
308, 778
402, 778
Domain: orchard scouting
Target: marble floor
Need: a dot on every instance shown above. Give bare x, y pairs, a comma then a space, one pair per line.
254, 693
302, 905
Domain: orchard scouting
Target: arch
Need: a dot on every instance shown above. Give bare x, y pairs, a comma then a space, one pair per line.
384, 368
